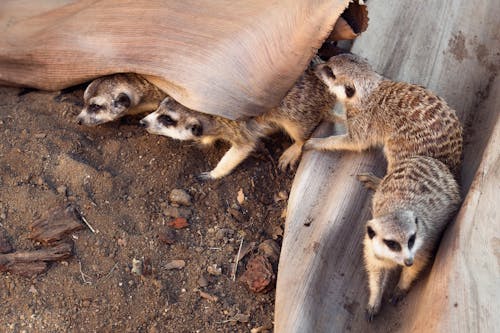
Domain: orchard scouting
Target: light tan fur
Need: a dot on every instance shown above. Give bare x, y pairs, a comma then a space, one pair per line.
405, 119
114, 96
415, 200
300, 112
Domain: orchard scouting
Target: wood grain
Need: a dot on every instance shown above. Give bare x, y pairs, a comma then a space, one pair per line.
229, 58
451, 47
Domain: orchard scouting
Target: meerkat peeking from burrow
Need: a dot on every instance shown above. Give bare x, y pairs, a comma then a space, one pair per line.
300, 112
406, 119
114, 96
411, 207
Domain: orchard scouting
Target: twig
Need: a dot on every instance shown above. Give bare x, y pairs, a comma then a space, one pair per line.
109, 273
235, 268
83, 275
87, 223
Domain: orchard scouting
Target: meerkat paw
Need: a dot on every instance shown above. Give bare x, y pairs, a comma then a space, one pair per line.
369, 180
290, 156
397, 296
371, 312
205, 176
313, 144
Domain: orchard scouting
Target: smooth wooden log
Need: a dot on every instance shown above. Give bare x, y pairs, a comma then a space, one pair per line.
451, 47
229, 58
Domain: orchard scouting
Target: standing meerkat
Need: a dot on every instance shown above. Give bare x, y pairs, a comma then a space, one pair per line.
411, 207
406, 119
299, 113
111, 97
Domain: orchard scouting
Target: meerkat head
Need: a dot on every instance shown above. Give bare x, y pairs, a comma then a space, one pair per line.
349, 77
393, 237
107, 99
174, 120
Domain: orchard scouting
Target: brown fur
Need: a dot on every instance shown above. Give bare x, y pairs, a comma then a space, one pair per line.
300, 112
416, 198
406, 119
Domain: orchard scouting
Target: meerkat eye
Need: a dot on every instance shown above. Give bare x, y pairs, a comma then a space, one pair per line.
166, 120
122, 100
329, 73
416, 220
94, 108
394, 246
196, 129
370, 232
349, 91
411, 241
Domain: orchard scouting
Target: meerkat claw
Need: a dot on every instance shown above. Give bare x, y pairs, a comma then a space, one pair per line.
370, 313
204, 176
369, 180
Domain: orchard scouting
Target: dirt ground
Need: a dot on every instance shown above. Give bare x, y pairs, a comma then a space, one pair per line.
119, 177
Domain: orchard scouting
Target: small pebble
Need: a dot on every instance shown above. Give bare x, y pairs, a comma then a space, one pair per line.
136, 267
180, 197
214, 270
175, 264
202, 282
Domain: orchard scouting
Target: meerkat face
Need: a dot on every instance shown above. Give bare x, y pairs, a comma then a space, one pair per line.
393, 237
105, 100
174, 120
348, 77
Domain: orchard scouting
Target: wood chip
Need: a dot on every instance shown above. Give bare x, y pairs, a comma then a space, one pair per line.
58, 223
241, 196
259, 274
178, 223
210, 297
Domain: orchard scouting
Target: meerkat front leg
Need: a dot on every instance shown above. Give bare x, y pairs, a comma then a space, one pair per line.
290, 156
234, 156
408, 276
369, 180
335, 142
377, 281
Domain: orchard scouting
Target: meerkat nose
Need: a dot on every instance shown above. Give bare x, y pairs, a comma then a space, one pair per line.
409, 262
80, 121
143, 123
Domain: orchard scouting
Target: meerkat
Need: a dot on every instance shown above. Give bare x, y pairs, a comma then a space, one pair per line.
111, 97
406, 119
300, 112
411, 207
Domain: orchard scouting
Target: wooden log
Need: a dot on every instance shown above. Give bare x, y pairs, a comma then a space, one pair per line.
57, 252
57, 223
451, 47
27, 269
228, 58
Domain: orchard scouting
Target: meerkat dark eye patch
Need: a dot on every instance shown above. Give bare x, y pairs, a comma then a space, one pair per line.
196, 129
94, 108
416, 220
328, 72
122, 100
166, 120
394, 246
411, 241
349, 91
370, 232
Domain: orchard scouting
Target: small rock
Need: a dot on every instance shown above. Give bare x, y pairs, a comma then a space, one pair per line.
86, 303
178, 223
262, 329
62, 189
214, 270
180, 197
136, 267
171, 211
202, 282
241, 196
259, 274
40, 135
175, 264
270, 249
166, 236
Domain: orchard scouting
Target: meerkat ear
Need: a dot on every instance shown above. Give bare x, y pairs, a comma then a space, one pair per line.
370, 232
350, 91
122, 100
